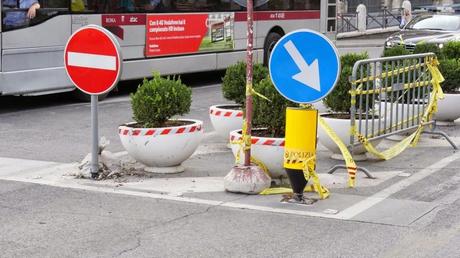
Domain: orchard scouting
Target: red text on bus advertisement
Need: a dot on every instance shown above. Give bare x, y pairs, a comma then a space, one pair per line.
188, 33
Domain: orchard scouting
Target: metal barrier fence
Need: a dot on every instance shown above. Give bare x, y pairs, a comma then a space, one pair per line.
383, 19
347, 22
393, 95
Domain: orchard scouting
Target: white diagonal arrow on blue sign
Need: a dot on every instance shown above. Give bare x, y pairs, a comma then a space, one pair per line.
304, 66
309, 74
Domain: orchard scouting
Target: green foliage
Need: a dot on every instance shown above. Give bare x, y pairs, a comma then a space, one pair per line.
234, 81
339, 99
451, 50
271, 115
426, 48
395, 51
158, 99
352, 58
450, 69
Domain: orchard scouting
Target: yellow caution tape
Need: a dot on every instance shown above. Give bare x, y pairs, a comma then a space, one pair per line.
412, 140
309, 173
406, 86
383, 75
349, 162
260, 95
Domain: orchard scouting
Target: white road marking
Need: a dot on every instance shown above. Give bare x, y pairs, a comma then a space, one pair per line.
58, 174
362, 206
92, 61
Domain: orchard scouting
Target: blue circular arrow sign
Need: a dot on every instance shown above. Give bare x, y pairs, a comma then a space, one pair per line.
304, 66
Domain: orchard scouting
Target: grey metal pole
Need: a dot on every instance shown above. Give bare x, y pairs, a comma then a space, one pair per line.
95, 138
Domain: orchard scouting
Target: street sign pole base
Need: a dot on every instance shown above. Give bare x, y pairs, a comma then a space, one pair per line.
297, 199
246, 179
94, 175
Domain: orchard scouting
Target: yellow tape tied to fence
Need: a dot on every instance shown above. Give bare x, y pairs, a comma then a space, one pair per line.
411, 140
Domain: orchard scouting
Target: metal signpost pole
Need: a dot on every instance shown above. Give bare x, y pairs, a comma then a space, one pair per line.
93, 62
247, 178
250, 34
95, 138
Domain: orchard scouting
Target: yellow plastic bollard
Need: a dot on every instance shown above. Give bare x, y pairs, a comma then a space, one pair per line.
300, 142
300, 150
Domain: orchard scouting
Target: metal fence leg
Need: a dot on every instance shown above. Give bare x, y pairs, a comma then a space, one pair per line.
443, 134
364, 170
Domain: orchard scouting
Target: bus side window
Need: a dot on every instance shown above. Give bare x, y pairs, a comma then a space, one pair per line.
14, 13
130, 6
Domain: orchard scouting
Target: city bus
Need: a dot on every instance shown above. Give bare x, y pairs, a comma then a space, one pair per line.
167, 36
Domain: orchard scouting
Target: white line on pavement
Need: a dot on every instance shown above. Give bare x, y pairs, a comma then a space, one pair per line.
54, 176
367, 203
74, 185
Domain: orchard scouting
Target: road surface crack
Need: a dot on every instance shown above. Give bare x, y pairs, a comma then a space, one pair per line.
138, 244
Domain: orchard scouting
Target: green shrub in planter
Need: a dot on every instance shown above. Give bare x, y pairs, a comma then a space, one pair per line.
395, 51
339, 99
450, 69
352, 58
234, 81
158, 99
451, 50
270, 114
427, 48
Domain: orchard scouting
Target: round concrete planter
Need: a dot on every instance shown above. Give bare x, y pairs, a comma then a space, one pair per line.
448, 108
164, 149
342, 128
269, 151
226, 118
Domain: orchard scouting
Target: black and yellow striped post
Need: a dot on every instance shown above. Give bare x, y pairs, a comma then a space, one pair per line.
300, 145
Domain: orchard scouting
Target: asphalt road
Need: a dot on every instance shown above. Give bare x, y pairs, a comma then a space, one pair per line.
45, 221
58, 128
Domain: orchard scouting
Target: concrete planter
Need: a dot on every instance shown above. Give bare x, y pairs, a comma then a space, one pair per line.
226, 118
270, 151
164, 149
342, 128
448, 108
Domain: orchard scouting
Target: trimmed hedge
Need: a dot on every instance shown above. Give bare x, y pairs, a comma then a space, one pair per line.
339, 99
234, 81
270, 114
158, 99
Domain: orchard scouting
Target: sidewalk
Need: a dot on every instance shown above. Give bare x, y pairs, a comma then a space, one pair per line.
379, 200
360, 43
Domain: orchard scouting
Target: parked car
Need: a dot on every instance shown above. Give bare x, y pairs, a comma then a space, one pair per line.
456, 8
427, 28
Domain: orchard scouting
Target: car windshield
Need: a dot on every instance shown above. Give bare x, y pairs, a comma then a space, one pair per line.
435, 22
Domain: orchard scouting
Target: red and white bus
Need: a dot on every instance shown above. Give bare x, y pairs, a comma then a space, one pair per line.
168, 36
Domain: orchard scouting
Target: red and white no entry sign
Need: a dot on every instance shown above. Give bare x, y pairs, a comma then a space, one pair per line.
92, 59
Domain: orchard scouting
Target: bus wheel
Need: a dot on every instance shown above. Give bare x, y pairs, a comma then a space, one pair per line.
270, 43
83, 97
